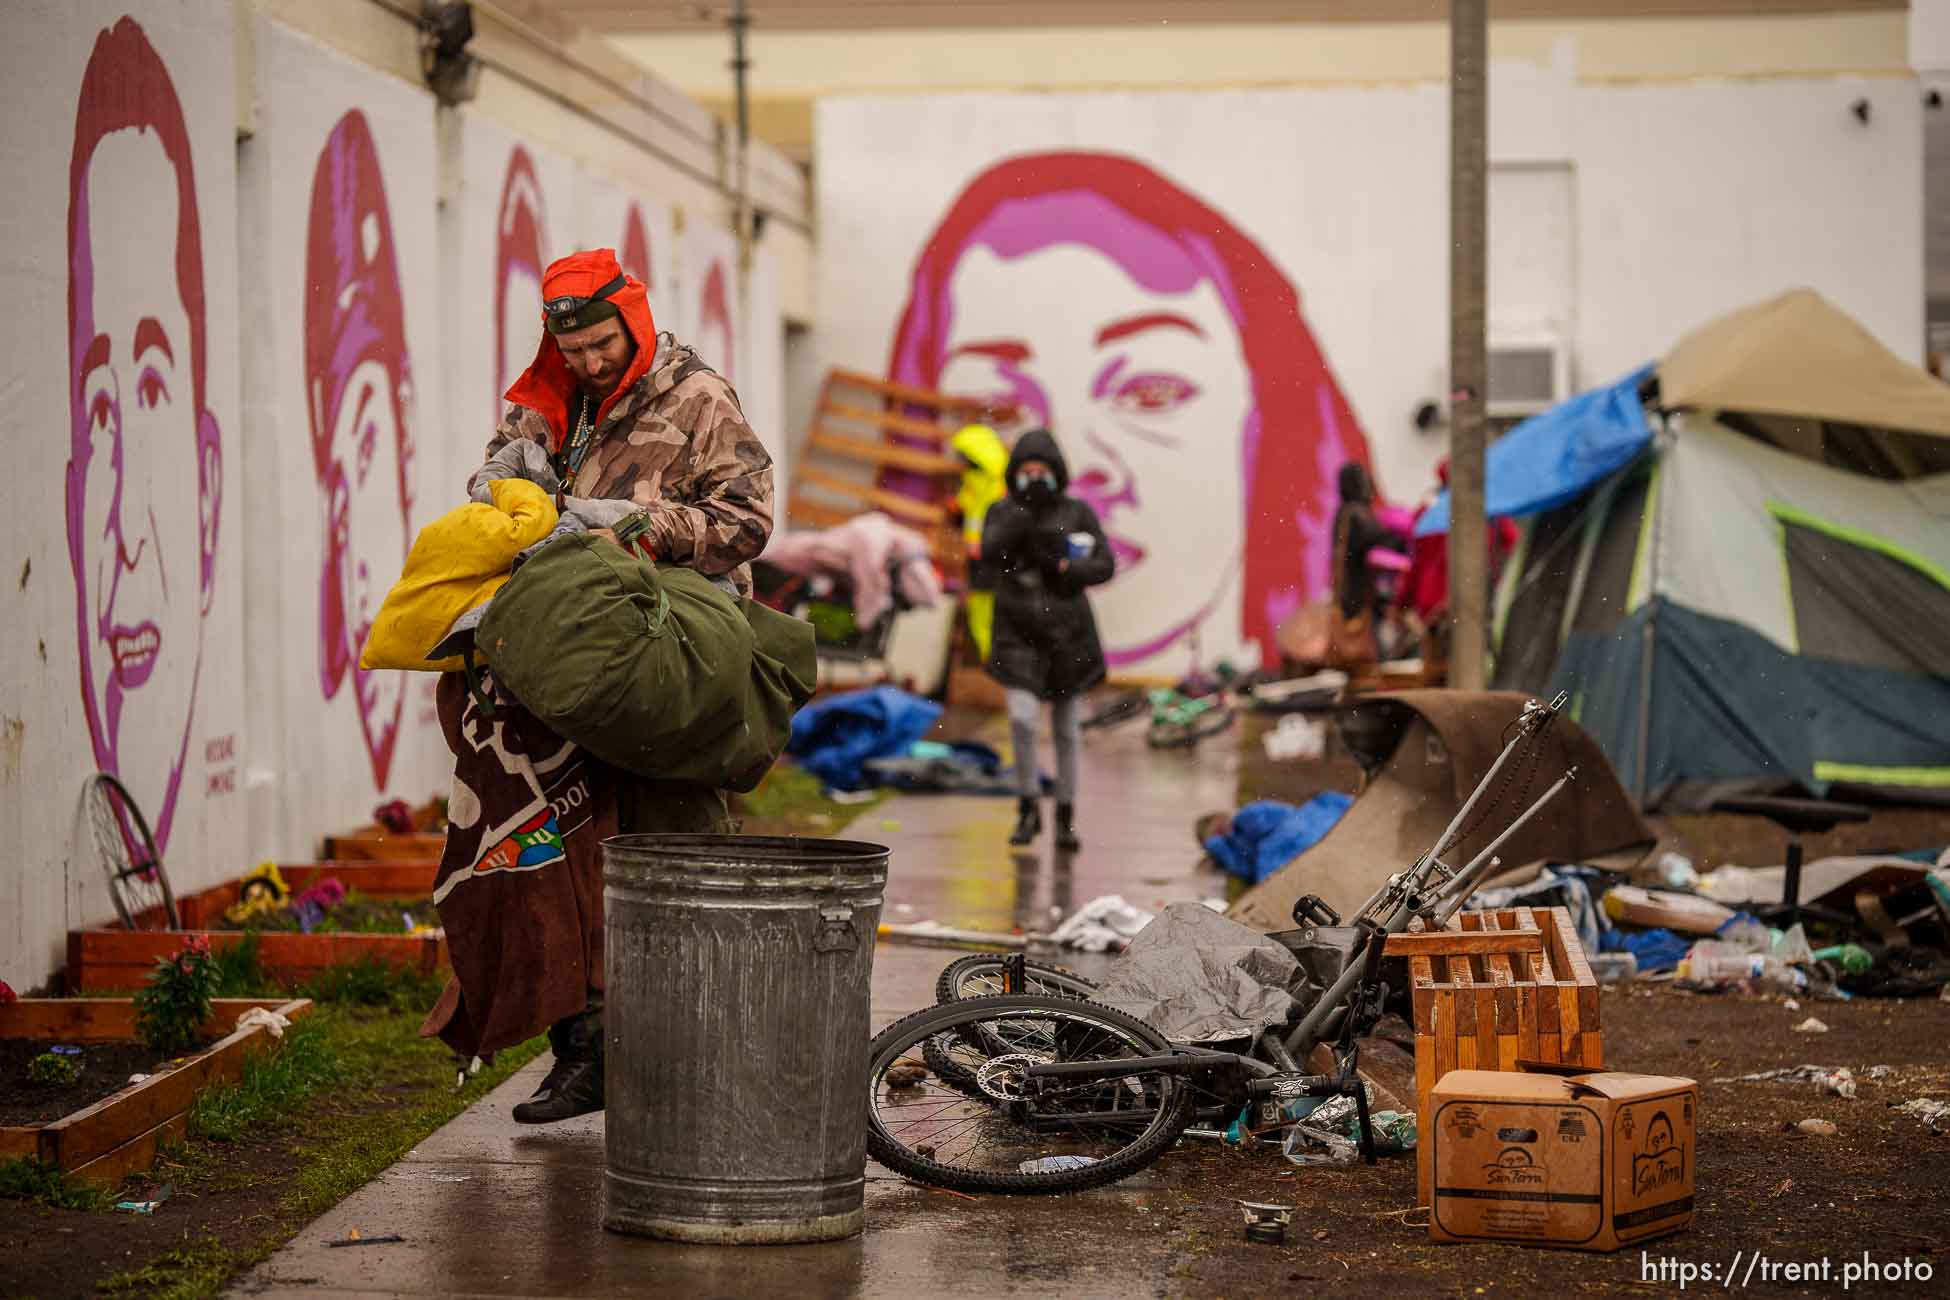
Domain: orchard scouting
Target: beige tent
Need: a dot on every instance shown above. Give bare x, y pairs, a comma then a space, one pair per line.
1814, 382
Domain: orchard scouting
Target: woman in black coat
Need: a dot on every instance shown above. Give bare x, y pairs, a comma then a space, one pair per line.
1045, 548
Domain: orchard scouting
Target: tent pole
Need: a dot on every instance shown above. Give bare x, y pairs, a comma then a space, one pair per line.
1468, 346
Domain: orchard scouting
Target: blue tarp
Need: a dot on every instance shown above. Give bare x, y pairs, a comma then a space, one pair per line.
1554, 457
1268, 834
831, 738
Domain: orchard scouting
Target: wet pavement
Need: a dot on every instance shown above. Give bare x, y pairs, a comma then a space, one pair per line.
490, 1208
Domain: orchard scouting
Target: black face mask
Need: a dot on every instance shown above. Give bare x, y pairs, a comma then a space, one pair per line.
1036, 492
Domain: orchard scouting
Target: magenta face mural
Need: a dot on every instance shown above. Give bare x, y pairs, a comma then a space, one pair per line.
145, 466
358, 386
715, 341
1169, 355
520, 232
634, 254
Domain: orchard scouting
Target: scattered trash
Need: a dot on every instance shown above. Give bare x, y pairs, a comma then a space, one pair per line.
1791, 1005
1654, 908
1613, 967
933, 932
465, 1070
1055, 1164
148, 1204
1787, 1185
1811, 1026
450, 1178
1654, 950
890, 824
905, 1075
1819, 1128
1851, 958
1676, 871
271, 1020
1295, 737
137, 1078
1932, 1111
1839, 1081
1881, 1071
1266, 1223
352, 1238
1104, 924
1329, 1134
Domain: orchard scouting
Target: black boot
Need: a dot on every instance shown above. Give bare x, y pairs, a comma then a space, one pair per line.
1066, 828
1029, 822
574, 1085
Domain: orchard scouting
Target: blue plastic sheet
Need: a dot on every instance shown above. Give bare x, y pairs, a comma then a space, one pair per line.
831, 738
1268, 834
1555, 457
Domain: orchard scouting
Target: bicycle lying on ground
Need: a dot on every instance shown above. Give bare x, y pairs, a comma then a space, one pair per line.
1042, 1090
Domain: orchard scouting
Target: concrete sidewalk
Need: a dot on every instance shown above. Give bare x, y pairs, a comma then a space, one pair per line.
488, 1207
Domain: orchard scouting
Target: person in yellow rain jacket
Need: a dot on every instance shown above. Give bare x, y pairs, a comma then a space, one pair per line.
985, 462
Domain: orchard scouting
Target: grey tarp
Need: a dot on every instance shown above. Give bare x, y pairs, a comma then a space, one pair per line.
1196, 977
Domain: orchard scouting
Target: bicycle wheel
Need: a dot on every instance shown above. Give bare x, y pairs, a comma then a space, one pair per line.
1028, 1134
985, 975
982, 974
136, 879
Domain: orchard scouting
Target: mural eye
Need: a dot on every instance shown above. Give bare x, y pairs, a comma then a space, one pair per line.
150, 390
101, 413
1153, 393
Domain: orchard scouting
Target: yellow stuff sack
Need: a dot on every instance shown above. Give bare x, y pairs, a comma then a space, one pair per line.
458, 561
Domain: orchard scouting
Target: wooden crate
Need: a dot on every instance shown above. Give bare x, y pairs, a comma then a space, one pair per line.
119, 1135
1496, 988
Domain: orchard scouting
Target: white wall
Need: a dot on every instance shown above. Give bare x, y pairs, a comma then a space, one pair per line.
128, 666
1658, 207
238, 728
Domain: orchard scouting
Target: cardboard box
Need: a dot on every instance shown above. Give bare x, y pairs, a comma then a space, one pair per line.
1586, 1161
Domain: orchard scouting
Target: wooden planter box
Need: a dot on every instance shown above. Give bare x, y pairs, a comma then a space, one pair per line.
377, 844
1494, 989
205, 908
101, 960
119, 1135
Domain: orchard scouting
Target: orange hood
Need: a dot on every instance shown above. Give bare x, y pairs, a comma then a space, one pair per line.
548, 386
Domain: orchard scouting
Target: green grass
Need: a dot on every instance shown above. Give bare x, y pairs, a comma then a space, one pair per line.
30, 1180
351, 1089
793, 801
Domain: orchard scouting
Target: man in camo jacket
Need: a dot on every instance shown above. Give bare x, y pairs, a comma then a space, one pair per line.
644, 443
644, 437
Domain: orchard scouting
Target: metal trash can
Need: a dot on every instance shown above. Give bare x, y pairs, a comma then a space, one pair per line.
738, 970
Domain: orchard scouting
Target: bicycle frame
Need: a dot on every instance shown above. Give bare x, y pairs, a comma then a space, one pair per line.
1428, 888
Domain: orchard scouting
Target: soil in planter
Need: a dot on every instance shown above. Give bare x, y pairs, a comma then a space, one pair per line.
356, 915
105, 1070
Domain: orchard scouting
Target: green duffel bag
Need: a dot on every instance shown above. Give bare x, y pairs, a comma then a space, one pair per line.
651, 667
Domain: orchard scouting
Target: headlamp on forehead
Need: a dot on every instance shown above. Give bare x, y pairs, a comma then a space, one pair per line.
567, 313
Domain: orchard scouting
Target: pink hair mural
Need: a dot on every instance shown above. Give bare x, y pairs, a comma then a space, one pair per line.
635, 256
1169, 355
520, 236
358, 385
145, 463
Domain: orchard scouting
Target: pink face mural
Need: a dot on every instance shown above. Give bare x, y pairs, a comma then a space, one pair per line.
145, 466
715, 340
358, 385
1169, 355
520, 232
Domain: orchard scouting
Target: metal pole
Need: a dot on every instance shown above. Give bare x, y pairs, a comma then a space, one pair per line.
740, 64
1468, 348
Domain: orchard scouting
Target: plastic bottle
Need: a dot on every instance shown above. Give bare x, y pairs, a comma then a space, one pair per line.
1717, 964
1613, 967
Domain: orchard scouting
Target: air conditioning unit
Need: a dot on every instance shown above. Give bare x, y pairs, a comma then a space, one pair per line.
1527, 375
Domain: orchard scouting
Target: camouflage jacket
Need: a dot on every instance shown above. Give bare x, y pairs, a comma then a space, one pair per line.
677, 445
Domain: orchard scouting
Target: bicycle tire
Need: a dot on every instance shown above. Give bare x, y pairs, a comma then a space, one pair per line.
953, 986
1169, 1094
114, 818
1044, 978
